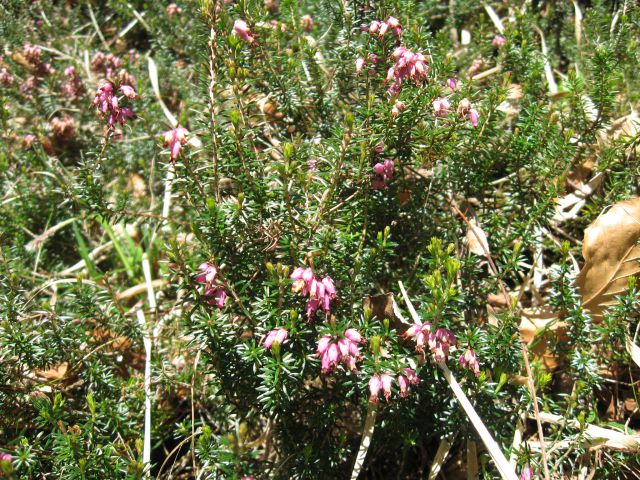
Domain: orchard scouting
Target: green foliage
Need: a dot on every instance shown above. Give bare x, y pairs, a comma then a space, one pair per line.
278, 173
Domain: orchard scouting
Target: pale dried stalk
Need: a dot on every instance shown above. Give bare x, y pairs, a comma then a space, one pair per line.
594, 436
367, 433
494, 17
438, 461
146, 451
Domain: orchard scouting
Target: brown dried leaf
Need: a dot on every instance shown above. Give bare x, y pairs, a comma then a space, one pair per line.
612, 255
54, 373
477, 239
535, 321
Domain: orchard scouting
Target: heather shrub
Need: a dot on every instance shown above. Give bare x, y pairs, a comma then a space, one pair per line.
302, 239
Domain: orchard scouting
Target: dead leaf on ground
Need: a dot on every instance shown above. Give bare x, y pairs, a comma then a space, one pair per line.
534, 321
54, 373
612, 255
476, 239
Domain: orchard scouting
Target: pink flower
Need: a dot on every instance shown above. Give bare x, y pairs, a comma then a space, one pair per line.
104, 98
380, 147
394, 24
175, 139
359, 65
374, 26
207, 273
441, 107
215, 295
403, 384
419, 331
46, 69
128, 91
452, 83
473, 117
323, 344
306, 22
5, 77
410, 374
321, 292
173, 9
383, 173
279, 335
440, 343
241, 29
409, 66
213, 292
464, 110
353, 335
397, 108
498, 41
344, 349
386, 381
375, 384
469, 360
28, 141
527, 473
120, 116
107, 102
32, 54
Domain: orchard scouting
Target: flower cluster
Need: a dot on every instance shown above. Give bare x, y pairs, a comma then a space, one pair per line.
277, 335
106, 63
213, 292
398, 106
345, 349
306, 22
110, 66
439, 342
5, 77
376, 27
383, 173
441, 107
241, 30
108, 103
72, 87
173, 9
33, 56
175, 139
372, 58
409, 66
28, 140
320, 292
465, 110
498, 41
384, 382
469, 360
64, 129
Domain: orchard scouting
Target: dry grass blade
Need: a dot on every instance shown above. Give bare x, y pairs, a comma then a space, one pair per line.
612, 255
155, 85
595, 436
367, 433
439, 459
633, 350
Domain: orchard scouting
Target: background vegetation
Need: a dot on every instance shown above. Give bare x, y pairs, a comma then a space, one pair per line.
103, 231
